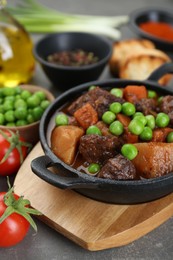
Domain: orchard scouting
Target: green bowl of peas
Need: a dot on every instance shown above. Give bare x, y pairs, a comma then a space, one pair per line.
21, 109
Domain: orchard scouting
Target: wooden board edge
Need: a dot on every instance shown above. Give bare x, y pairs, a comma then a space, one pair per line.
121, 239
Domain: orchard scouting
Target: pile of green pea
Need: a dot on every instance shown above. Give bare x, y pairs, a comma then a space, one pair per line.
140, 124
19, 107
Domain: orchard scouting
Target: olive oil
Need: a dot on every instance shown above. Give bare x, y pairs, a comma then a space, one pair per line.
16, 58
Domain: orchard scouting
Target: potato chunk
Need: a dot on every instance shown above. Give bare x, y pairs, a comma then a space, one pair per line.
64, 142
153, 159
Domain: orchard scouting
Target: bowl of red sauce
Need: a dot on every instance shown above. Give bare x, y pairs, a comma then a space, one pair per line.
154, 24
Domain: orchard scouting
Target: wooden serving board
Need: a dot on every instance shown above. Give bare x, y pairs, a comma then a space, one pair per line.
91, 224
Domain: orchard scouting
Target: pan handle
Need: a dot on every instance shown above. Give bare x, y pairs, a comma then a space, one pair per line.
39, 166
161, 71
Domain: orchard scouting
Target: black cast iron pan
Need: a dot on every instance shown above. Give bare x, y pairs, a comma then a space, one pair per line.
105, 190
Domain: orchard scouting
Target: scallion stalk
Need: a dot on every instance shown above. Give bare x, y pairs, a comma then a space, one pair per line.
37, 18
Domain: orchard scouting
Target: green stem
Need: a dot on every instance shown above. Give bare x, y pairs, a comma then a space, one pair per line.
39, 18
14, 141
19, 206
107, 31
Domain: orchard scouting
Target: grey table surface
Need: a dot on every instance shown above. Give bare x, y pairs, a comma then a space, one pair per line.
48, 244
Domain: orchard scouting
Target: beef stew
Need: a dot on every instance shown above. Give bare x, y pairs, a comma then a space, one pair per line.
91, 142
105, 190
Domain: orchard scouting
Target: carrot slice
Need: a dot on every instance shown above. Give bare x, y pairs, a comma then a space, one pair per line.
125, 120
129, 137
86, 116
133, 93
160, 134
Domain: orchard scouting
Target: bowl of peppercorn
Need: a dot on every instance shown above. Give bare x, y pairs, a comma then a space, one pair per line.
72, 58
154, 24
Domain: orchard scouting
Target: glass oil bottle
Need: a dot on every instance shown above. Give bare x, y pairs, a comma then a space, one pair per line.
16, 59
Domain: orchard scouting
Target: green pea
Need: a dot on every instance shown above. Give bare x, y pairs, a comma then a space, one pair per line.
20, 113
116, 128
117, 92
18, 96
91, 88
30, 119
138, 114
128, 109
18, 90
136, 127
33, 101
115, 107
162, 120
21, 122
142, 119
108, 117
129, 151
44, 104
94, 168
10, 124
9, 91
169, 137
152, 94
2, 119
20, 103
37, 113
10, 98
1, 109
9, 116
25, 94
159, 100
8, 105
150, 121
93, 130
146, 134
61, 119
41, 95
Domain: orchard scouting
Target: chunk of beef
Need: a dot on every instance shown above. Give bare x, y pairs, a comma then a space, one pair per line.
171, 118
100, 100
73, 121
118, 168
104, 128
146, 105
79, 102
166, 106
97, 149
103, 99
103, 102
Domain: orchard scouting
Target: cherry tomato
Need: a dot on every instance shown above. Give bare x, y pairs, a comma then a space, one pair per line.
14, 228
13, 150
15, 217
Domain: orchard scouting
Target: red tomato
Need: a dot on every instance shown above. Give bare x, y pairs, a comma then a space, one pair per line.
14, 228
12, 162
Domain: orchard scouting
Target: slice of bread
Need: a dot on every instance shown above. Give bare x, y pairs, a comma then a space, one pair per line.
124, 48
142, 63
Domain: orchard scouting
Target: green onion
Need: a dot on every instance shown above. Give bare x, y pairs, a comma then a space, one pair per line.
37, 18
